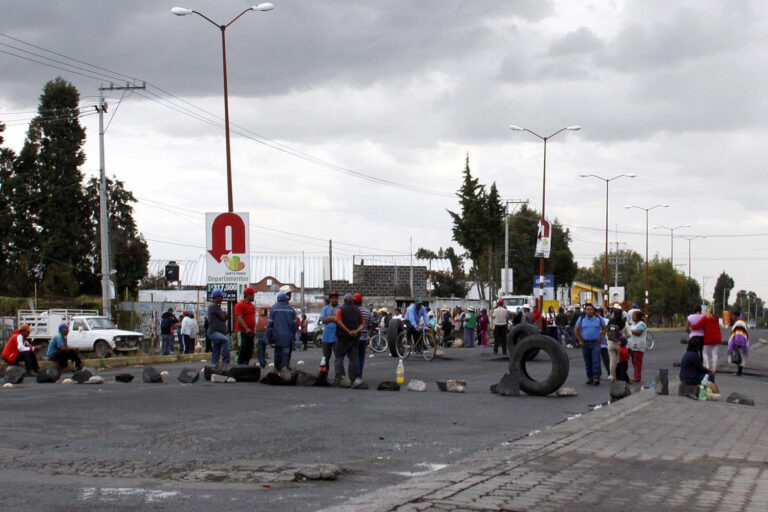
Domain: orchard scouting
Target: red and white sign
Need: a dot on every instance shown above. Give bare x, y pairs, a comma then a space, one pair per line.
543, 240
228, 256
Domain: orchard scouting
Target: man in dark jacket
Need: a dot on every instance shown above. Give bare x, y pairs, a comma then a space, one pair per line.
167, 321
349, 323
281, 329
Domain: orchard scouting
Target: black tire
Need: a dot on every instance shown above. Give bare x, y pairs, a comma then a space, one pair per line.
429, 345
560, 364
518, 333
395, 327
101, 349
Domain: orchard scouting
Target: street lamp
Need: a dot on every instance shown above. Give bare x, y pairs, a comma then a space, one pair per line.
689, 238
672, 240
183, 11
607, 182
646, 210
540, 300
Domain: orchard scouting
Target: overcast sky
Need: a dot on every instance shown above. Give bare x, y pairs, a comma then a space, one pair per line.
674, 92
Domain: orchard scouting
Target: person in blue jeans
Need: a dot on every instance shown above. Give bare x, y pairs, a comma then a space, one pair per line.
217, 329
281, 330
589, 332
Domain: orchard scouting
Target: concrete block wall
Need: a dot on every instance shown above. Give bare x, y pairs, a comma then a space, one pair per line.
379, 281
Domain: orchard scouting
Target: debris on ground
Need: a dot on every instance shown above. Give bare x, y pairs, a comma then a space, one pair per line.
417, 385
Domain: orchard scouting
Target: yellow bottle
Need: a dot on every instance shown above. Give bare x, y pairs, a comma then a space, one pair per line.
400, 372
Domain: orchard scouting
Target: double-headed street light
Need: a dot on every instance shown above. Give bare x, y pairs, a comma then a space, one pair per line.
646, 210
607, 181
672, 240
540, 300
689, 238
183, 11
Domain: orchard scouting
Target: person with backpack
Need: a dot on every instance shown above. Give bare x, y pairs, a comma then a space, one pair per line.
615, 333
589, 330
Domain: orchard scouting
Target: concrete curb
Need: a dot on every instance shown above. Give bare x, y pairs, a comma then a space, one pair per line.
497, 460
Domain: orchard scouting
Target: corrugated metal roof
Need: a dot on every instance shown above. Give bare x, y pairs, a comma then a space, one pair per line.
287, 268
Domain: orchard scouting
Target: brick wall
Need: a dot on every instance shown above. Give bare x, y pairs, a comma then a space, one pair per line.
380, 281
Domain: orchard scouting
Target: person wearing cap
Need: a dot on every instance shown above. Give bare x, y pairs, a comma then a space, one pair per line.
281, 330
245, 325
415, 315
61, 353
362, 345
349, 324
17, 348
217, 329
188, 332
470, 324
500, 321
328, 319
167, 323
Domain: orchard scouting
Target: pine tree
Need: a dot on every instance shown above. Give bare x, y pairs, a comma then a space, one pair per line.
6, 214
129, 253
723, 288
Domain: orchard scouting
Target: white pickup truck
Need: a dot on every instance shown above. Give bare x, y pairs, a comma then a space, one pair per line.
87, 330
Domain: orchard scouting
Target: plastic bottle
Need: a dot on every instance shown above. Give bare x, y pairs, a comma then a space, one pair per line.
400, 372
323, 366
703, 388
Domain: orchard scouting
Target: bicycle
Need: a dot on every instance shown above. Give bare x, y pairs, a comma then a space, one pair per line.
378, 342
425, 343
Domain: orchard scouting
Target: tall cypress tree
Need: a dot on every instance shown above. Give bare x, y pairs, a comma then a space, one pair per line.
6, 214
48, 174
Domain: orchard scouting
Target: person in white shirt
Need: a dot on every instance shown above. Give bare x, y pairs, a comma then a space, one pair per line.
500, 321
188, 332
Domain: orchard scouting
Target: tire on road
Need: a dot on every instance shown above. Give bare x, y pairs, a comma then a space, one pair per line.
560, 364
102, 349
519, 332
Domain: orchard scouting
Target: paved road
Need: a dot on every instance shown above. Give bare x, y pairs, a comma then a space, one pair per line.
170, 445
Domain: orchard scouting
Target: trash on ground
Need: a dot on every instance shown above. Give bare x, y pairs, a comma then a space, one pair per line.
567, 392
417, 385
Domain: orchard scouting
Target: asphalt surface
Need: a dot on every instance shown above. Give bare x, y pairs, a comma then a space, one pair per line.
239, 446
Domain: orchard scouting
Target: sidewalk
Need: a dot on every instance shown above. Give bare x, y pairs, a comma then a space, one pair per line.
644, 453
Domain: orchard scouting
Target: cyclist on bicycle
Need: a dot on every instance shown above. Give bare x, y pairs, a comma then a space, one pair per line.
415, 316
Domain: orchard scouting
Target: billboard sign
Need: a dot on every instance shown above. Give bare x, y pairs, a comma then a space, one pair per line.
228, 255
543, 240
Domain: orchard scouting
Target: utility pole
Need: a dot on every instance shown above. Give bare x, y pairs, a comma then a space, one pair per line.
103, 213
303, 302
330, 265
507, 289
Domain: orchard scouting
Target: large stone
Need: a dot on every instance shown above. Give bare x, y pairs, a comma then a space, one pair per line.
210, 369
123, 377
738, 398
276, 379
96, 379
455, 386
151, 376
14, 375
245, 373
687, 389
664, 381
48, 375
567, 392
188, 375
83, 375
619, 390
509, 385
302, 378
388, 385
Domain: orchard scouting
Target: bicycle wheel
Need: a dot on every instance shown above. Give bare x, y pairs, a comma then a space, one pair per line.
650, 341
378, 343
428, 346
403, 346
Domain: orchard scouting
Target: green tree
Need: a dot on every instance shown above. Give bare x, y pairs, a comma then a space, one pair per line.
50, 194
723, 288
7, 158
630, 265
446, 284
523, 230
129, 253
670, 292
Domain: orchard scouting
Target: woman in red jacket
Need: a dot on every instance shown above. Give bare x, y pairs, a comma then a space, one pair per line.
712, 338
17, 348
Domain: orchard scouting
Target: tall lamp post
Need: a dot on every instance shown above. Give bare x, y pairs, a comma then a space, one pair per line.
689, 238
672, 240
183, 11
540, 300
607, 182
646, 210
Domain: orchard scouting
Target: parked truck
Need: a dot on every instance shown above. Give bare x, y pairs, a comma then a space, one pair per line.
87, 330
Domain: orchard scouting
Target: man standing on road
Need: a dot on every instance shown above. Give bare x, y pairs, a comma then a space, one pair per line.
349, 323
589, 330
60, 353
188, 332
500, 321
572, 326
217, 329
167, 321
328, 319
281, 330
245, 325
363, 343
